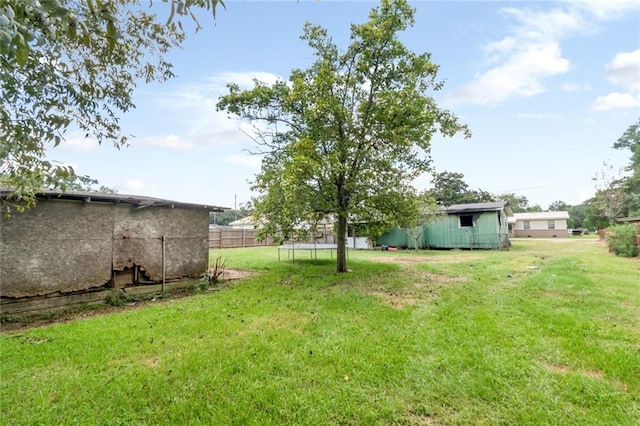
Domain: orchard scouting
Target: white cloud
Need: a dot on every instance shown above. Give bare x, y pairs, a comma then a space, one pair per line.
576, 87
605, 10
193, 107
135, 186
520, 74
76, 143
616, 101
624, 70
530, 53
545, 25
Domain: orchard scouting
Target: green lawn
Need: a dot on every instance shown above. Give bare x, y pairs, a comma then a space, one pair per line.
546, 333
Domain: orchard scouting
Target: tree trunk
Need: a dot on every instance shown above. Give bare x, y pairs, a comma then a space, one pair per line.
341, 256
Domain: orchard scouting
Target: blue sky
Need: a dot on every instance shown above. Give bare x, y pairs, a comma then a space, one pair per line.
546, 87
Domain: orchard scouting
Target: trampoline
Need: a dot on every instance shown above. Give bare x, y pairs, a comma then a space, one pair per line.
312, 248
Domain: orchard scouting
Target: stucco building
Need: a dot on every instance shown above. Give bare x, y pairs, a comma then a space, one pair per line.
75, 243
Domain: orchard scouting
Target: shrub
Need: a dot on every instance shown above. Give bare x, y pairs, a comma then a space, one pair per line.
622, 240
212, 276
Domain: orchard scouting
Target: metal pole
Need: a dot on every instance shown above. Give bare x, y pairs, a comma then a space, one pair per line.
164, 263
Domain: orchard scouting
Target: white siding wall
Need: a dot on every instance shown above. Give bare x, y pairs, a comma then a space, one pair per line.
561, 224
540, 224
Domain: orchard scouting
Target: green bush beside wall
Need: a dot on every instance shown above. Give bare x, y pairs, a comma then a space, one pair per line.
622, 240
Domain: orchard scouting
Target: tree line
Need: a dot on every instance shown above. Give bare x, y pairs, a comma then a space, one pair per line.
617, 192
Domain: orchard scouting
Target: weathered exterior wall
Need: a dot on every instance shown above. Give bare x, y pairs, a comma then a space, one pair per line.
137, 239
488, 233
67, 246
444, 231
57, 246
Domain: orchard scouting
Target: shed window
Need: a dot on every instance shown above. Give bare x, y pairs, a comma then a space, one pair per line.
466, 221
526, 224
551, 224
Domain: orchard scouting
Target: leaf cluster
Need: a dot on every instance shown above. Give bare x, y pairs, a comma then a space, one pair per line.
630, 140
74, 65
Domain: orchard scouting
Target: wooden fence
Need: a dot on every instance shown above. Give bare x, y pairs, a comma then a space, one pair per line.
230, 238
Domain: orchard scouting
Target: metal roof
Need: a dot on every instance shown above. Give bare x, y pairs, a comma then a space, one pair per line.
102, 197
475, 207
629, 219
541, 215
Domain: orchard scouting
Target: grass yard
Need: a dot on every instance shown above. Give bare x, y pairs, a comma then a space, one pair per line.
546, 333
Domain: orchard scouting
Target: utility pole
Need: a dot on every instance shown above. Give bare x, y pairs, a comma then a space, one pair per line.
235, 207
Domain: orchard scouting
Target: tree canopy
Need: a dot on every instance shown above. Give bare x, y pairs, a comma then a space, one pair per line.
74, 65
348, 135
451, 188
630, 140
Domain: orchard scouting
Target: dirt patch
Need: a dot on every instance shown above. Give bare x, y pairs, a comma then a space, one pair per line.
150, 362
563, 369
424, 287
235, 274
593, 374
394, 300
431, 277
426, 259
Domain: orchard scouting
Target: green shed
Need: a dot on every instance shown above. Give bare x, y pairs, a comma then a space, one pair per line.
463, 226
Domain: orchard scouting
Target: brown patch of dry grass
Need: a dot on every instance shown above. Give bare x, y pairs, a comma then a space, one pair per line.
425, 287
235, 274
440, 279
427, 259
395, 300
592, 374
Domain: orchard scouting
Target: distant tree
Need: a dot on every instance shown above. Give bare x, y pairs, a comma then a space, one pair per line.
479, 196
228, 216
74, 65
577, 215
612, 194
558, 206
84, 183
349, 134
595, 217
517, 203
631, 183
451, 188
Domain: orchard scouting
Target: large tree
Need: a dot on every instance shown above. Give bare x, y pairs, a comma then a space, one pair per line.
558, 206
518, 203
74, 65
612, 193
631, 140
348, 135
451, 188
